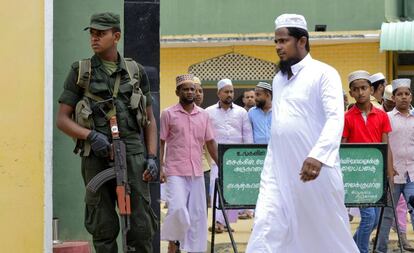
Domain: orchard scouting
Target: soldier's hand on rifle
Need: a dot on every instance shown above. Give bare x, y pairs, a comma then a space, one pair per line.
99, 143
151, 171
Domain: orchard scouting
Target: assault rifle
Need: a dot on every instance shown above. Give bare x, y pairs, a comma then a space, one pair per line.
118, 171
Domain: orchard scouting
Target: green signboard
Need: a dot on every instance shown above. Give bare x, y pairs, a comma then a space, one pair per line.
240, 169
364, 174
363, 168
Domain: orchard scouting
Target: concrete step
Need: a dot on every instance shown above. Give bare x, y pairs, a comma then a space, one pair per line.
72, 247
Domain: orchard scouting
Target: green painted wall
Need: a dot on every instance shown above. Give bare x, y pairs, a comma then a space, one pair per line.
392, 9
247, 16
396, 9
409, 9
71, 44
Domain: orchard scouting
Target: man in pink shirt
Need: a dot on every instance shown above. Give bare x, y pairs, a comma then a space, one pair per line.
184, 129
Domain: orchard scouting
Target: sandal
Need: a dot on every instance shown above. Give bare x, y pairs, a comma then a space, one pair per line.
218, 228
227, 230
245, 216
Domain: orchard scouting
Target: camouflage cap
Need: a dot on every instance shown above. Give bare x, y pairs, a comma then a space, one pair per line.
104, 21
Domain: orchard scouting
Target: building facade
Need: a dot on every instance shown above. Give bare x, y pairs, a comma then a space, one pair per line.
344, 34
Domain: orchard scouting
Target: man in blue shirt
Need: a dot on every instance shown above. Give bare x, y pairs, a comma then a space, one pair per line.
261, 115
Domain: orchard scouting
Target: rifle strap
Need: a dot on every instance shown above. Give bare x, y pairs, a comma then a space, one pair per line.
84, 79
112, 112
116, 85
84, 73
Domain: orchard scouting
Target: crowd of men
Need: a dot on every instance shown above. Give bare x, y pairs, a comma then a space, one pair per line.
183, 132
381, 114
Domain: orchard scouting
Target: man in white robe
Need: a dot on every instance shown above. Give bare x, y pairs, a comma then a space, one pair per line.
231, 125
300, 207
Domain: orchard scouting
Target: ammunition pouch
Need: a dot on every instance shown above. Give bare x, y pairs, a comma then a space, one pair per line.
83, 117
138, 103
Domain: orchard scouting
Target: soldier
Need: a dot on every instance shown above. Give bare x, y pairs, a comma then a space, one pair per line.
95, 90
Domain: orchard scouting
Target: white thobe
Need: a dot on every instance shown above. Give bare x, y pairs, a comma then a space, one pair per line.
293, 216
231, 126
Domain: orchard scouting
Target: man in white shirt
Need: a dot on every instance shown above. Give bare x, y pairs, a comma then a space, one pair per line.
300, 207
231, 126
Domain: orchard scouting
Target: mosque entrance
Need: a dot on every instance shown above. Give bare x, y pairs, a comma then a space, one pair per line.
244, 71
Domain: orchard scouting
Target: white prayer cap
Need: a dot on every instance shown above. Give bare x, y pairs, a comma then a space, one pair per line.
359, 74
402, 82
264, 85
388, 92
291, 20
196, 80
376, 77
223, 82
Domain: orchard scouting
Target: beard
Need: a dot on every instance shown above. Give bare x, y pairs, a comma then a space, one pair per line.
260, 104
285, 66
186, 101
227, 101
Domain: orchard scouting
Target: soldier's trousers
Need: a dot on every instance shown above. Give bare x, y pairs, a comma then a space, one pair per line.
101, 218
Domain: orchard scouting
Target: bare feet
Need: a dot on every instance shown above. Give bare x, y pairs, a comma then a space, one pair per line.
173, 247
